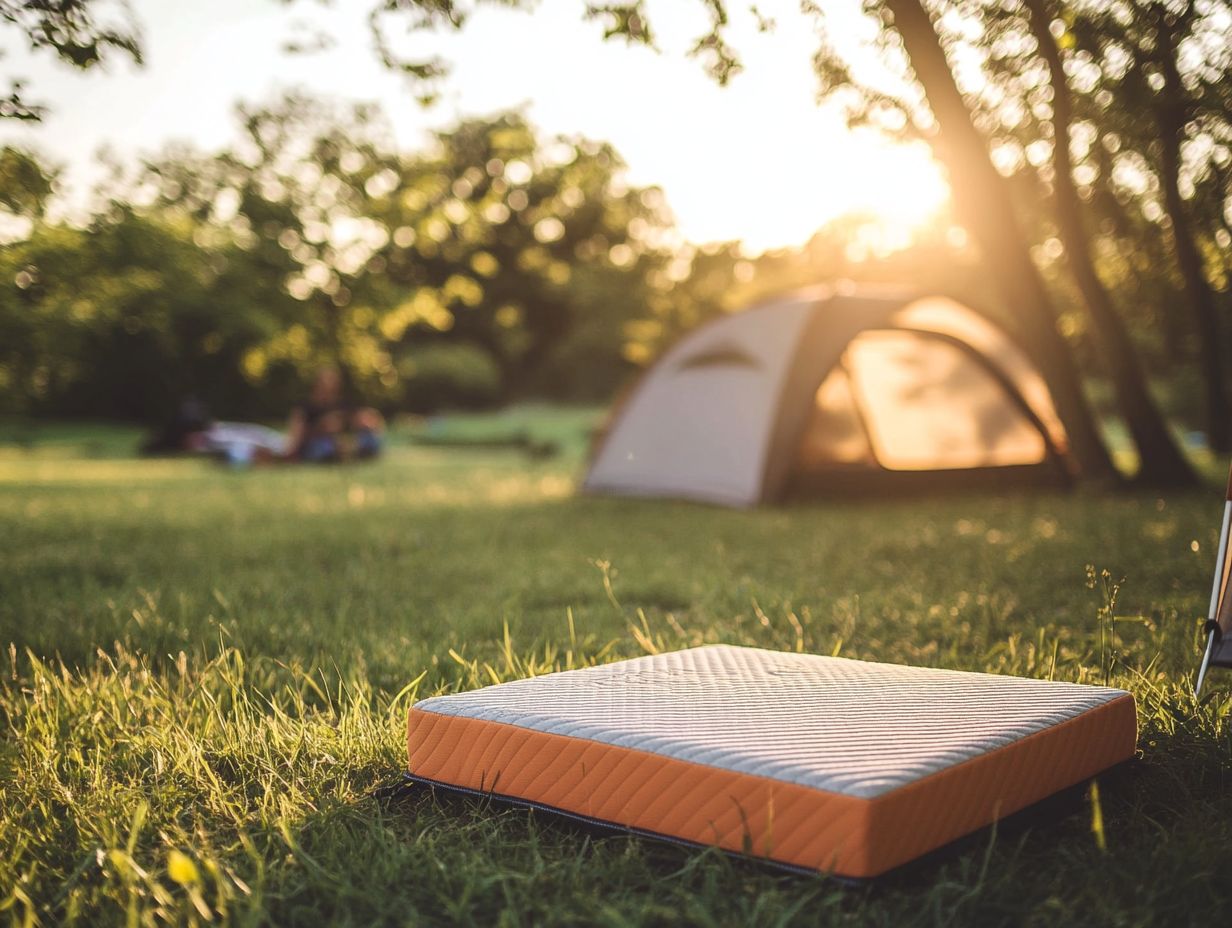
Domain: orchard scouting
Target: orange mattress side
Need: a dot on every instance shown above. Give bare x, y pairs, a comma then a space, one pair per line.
757, 815
705, 805
938, 809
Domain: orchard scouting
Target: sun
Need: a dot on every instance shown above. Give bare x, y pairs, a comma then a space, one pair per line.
899, 184
756, 195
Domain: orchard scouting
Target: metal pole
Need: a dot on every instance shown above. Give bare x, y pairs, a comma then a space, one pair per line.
1215, 588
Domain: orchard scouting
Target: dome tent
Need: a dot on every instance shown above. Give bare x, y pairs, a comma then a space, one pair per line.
833, 391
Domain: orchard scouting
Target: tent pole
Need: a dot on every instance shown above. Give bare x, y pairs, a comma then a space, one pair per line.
1206, 663
1215, 587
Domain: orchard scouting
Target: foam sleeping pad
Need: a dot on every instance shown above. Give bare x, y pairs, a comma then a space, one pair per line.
824, 763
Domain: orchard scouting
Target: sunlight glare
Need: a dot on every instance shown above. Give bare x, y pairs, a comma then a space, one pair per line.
742, 195
899, 184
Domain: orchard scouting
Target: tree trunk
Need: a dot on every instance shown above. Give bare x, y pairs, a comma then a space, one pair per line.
983, 204
1170, 120
1161, 461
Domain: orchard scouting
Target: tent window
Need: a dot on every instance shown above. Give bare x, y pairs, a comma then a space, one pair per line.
719, 357
929, 405
834, 434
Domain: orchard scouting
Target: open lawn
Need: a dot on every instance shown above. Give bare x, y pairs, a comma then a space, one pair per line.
210, 672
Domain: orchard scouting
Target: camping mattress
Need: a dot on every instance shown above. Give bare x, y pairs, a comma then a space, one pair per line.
824, 763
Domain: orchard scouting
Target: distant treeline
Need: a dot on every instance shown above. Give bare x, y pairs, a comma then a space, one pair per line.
492, 266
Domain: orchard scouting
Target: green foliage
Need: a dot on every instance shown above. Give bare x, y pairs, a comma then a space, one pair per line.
494, 237
125, 318
449, 373
210, 673
234, 276
25, 184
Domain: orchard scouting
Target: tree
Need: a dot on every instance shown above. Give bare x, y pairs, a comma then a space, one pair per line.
493, 264
981, 198
81, 33
1162, 463
503, 240
965, 120
1172, 62
26, 184
125, 318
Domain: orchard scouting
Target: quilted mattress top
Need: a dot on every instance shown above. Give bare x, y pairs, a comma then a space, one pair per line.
851, 727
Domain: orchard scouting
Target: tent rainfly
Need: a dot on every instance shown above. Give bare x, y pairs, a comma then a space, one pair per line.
830, 392
1219, 622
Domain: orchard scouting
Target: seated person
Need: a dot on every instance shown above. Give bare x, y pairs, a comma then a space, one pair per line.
326, 429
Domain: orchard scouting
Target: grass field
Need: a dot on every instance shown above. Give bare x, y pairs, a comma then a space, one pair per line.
210, 670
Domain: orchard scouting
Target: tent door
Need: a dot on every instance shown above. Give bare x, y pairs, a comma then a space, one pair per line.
906, 400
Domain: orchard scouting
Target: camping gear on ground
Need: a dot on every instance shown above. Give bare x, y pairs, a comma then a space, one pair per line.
823, 763
239, 443
1219, 616
829, 391
192, 430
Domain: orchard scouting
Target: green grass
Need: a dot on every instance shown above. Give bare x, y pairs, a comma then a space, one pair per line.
210, 671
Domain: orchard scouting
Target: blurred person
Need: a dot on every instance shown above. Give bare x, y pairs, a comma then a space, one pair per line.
325, 428
182, 431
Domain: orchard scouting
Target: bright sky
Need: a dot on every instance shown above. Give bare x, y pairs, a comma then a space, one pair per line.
756, 161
